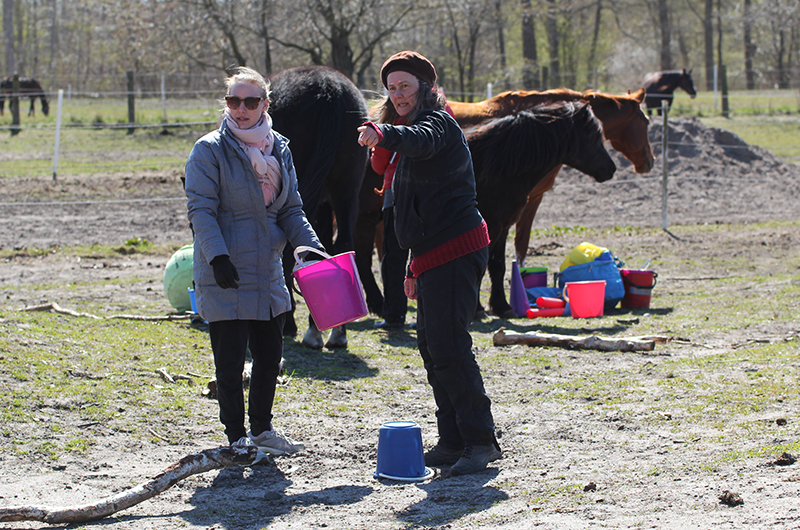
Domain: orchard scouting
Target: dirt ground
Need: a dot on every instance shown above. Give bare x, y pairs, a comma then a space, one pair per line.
714, 178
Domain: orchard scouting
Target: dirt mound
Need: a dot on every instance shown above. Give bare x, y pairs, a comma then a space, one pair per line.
713, 176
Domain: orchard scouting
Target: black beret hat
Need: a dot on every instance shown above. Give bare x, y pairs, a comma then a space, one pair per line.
411, 62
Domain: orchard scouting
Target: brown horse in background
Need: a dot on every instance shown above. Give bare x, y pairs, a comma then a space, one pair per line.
659, 86
624, 126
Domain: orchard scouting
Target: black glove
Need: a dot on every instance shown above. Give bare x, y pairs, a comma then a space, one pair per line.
224, 272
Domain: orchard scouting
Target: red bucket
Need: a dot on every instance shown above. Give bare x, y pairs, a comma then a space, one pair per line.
638, 288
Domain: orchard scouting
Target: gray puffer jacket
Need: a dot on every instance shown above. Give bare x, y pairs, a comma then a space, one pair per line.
227, 212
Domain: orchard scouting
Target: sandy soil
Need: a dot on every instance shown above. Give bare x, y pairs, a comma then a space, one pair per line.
714, 178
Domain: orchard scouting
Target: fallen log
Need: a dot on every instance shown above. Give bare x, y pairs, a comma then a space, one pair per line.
54, 307
207, 460
505, 337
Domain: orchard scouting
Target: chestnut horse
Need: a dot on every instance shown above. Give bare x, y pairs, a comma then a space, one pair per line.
512, 154
624, 126
319, 109
659, 86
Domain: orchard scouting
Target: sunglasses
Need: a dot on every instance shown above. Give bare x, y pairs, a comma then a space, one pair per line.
234, 102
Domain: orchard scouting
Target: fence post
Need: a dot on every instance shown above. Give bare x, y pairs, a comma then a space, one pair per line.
58, 132
163, 99
131, 106
13, 105
715, 86
664, 163
723, 72
488, 91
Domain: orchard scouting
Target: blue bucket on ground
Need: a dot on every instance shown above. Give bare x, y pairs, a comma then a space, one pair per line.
400, 455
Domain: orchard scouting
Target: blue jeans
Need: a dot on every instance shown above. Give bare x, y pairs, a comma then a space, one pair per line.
446, 300
229, 342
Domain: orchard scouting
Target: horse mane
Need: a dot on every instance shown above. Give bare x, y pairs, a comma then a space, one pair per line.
548, 124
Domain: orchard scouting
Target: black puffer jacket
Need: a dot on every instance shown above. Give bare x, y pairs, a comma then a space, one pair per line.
434, 185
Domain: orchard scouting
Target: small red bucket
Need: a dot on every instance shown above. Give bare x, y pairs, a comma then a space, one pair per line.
638, 288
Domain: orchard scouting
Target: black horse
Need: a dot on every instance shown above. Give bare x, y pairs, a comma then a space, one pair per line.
659, 86
319, 109
29, 88
512, 154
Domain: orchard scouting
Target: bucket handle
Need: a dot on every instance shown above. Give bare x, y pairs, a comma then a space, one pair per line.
655, 281
308, 249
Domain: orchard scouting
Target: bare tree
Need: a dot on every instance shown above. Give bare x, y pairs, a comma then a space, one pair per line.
530, 73
749, 45
8, 36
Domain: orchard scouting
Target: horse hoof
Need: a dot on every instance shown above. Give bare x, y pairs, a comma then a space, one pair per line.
508, 314
338, 338
313, 339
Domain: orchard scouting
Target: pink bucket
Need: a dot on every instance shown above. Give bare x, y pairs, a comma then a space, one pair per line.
585, 299
331, 288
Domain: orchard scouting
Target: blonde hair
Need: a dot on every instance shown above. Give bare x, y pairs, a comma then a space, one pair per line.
243, 74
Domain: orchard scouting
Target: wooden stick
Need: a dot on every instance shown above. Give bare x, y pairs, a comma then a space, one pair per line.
53, 306
504, 336
207, 460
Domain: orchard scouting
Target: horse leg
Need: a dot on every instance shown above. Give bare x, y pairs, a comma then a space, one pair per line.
522, 236
313, 336
498, 304
289, 323
337, 338
364, 236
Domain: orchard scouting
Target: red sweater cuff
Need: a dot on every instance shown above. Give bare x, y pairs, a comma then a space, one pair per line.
377, 129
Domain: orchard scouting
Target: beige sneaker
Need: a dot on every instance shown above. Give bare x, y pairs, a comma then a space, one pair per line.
275, 442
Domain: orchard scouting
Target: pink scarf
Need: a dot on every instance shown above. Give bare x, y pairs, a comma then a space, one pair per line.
257, 142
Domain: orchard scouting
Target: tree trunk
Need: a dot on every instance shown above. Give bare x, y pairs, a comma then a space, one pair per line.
8, 36
719, 33
53, 34
591, 66
749, 46
530, 72
666, 35
708, 35
551, 26
501, 42
265, 37
341, 52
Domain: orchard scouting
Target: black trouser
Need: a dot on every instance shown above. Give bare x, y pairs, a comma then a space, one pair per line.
446, 299
393, 272
229, 342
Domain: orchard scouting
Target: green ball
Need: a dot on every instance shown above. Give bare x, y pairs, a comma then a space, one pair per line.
178, 278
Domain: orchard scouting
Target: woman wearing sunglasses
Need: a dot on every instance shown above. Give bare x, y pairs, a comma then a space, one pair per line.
243, 206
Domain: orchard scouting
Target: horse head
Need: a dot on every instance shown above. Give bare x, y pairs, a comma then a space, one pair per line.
587, 152
687, 83
624, 125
